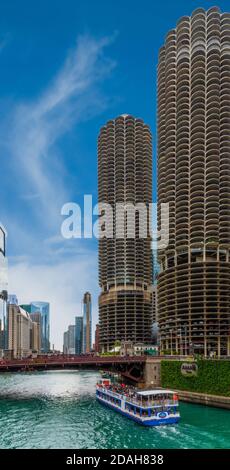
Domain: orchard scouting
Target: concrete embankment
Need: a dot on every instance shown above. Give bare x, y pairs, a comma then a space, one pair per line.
204, 399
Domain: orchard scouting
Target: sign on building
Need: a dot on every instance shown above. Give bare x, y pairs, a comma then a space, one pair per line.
189, 369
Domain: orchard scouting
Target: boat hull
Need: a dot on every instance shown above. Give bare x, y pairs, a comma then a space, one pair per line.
148, 423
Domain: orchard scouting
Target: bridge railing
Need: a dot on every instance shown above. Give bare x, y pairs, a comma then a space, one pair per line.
43, 360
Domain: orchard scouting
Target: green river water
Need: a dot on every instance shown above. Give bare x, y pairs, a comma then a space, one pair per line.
57, 409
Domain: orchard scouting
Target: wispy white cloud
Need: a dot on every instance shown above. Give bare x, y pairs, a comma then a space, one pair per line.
35, 127
44, 266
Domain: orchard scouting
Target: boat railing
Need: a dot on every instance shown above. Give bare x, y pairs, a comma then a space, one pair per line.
110, 392
151, 403
134, 401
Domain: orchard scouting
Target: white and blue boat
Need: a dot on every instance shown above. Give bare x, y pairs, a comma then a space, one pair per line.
147, 407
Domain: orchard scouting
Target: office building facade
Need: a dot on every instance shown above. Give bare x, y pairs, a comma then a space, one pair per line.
69, 340
125, 264
44, 309
3, 288
194, 178
156, 267
12, 299
78, 334
21, 332
37, 320
87, 323
65, 342
97, 339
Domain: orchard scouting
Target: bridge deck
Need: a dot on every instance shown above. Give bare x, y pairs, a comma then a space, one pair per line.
64, 362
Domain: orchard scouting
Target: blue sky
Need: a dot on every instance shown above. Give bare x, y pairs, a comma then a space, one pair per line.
66, 68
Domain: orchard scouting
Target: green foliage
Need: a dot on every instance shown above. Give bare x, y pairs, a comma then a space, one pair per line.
213, 377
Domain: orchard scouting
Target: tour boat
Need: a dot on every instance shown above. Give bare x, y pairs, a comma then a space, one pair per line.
146, 407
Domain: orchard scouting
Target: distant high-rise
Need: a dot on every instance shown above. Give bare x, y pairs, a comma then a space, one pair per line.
69, 340
65, 342
78, 334
3, 264
37, 319
35, 337
97, 339
20, 332
2, 340
156, 267
44, 309
194, 178
3, 288
87, 323
125, 262
12, 299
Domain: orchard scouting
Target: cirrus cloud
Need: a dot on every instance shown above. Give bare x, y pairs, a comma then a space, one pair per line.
36, 184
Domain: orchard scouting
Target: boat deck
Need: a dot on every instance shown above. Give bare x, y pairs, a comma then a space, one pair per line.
144, 411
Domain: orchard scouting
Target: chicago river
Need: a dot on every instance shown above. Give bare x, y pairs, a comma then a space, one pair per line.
58, 409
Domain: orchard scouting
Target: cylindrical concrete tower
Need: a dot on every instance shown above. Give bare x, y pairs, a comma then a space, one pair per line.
125, 263
194, 178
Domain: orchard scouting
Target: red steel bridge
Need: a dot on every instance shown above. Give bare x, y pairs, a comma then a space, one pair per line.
130, 367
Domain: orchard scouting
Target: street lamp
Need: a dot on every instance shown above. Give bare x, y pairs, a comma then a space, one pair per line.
171, 332
185, 340
183, 332
181, 341
191, 349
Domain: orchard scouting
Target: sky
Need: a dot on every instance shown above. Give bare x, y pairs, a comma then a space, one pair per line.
66, 68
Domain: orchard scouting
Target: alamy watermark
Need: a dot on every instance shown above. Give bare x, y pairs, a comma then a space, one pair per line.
115, 221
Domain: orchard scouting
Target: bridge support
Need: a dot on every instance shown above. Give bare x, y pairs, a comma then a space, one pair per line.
152, 373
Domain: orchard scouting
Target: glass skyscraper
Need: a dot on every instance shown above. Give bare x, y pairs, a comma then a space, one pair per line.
44, 309
65, 342
78, 334
156, 267
3, 288
12, 299
87, 323
71, 339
